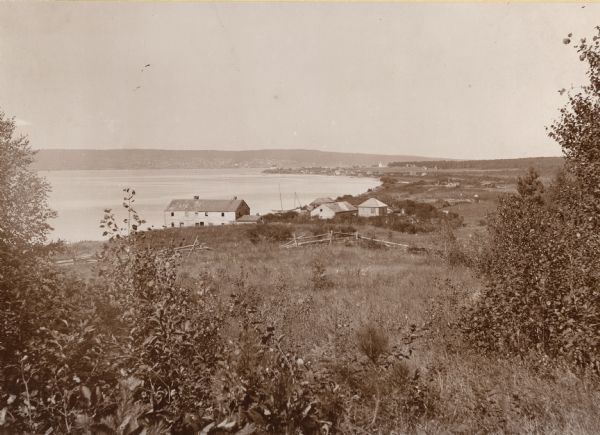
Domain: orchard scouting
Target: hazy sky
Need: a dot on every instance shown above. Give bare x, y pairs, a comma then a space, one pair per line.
461, 80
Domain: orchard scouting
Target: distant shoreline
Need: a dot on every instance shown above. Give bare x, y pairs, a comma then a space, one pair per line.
79, 159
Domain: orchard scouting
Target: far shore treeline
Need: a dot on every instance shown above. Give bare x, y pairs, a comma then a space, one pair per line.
80, 159
542, 164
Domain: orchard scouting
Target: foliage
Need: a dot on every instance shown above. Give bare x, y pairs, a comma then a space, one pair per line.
372, 341
260, 383
546, 165
318, 277
23, 194
172, 332
451, 250
542, 270
23, 229
287, 217
269, 233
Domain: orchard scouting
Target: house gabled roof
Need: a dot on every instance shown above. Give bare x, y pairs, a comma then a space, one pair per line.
215, 205
373, 202
322, 200
339, 207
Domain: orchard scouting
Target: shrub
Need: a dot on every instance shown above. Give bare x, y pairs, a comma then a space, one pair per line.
263, 385
172, 331
372, 341
269, 233
536, 295
542, 267
318, 278
452, 252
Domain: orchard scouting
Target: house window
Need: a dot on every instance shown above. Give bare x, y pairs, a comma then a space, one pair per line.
373, 210
172, 213
172, 224
201, 224
197, 224
181, 224
222, 214
195, 213
205, 213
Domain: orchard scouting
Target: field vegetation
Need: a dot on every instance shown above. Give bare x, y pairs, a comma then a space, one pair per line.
492, 329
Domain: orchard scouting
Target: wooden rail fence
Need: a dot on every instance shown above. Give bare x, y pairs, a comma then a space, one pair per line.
333, 236
91, 258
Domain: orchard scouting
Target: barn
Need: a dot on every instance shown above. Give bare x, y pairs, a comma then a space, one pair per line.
372, 207
333, 209
204, 212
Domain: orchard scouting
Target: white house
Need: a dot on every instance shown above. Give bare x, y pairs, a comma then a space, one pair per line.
372, 207
204, 212
332, 209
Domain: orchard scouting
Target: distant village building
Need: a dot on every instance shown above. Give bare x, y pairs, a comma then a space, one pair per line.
332, 209
372, 207
412, 170
204, 212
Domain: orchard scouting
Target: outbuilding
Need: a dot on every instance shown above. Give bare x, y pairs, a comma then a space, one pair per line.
372, 207
332, 209
249, 219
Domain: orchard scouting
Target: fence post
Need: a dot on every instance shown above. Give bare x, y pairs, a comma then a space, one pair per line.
330, 237
192, 248
295, 240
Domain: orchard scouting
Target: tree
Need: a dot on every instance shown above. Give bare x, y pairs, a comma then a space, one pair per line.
24, 213
27, 287
24, 210
531, 186
543, 268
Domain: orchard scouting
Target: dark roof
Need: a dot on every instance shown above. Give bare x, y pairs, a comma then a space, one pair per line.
205, 205
249, 218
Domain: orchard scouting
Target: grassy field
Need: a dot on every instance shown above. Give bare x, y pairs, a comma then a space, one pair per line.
333, 305
323, 298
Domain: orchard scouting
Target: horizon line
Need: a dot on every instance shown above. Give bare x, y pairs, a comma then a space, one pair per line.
296, 149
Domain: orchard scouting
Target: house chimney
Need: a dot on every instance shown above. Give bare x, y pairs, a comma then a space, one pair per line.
196, 197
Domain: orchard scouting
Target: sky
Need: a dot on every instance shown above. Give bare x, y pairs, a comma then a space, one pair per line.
464, 80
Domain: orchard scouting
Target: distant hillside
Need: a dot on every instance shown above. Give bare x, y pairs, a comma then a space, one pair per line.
195, 159
544, 165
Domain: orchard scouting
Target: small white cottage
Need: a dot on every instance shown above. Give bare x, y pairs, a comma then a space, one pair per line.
332, 209
204, 212
372, 207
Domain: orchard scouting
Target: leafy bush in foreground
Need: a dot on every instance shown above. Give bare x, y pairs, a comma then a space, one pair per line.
543, 267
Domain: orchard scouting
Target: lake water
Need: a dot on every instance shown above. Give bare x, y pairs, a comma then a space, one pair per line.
80, 197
